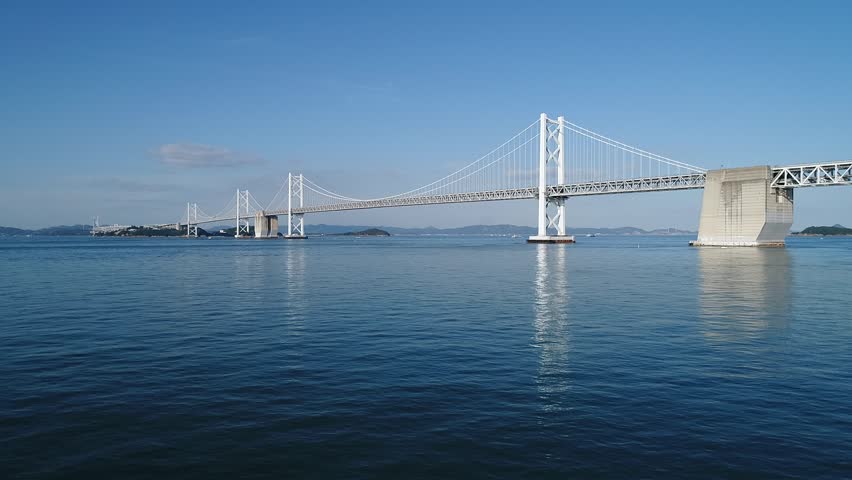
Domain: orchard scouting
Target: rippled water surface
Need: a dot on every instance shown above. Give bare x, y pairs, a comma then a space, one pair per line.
424, 357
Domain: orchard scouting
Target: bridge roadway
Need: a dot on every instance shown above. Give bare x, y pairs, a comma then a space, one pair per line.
651, 184
811, 175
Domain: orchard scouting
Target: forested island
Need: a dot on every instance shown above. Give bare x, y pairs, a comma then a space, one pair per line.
826, 231
142, 231
370, 232
134, 231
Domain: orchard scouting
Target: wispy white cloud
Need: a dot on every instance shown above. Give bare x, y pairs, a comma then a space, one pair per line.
191, 155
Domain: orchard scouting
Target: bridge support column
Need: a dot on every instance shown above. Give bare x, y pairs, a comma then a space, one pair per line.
296, 226
551, 149
191, 220
265, 226
741, 209
295, 199
273, 225
242, 212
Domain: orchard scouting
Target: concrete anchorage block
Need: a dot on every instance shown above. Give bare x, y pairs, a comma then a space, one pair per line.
741, 209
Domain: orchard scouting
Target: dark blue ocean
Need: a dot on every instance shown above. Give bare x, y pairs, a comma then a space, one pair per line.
416, 357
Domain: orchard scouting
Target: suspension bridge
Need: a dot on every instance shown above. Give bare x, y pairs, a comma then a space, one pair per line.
552, 160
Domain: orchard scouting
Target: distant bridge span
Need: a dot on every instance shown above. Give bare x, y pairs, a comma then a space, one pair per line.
550, 161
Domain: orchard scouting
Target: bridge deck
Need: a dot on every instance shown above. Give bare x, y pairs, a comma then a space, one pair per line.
823, 174
650, 184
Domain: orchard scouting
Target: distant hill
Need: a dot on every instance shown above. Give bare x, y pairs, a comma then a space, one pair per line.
835, 230
65, 230
52, 231
14, 231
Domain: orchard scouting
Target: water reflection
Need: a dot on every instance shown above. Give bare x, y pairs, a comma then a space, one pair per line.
246, 270
296, 301
551, 324
745, 292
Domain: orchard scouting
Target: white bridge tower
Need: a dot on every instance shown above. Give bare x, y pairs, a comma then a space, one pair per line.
191, 220
242, 213
295, 199
551, 150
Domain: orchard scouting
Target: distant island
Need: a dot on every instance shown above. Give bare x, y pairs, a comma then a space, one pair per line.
370, 232
170, 231
134, 231
227, 232
826, 231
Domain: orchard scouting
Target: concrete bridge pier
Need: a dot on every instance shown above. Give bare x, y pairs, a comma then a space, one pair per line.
265, 226
741, 209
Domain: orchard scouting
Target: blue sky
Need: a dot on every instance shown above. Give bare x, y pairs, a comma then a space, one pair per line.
130, 111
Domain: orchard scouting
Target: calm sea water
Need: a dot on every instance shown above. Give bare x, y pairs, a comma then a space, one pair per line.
628, 357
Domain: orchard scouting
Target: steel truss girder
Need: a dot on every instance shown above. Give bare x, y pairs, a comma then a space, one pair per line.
512, 194
837, 173
813, 175
650, 184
